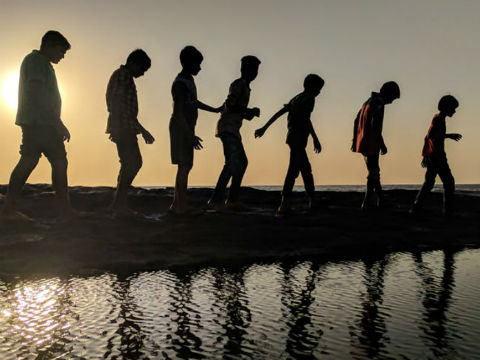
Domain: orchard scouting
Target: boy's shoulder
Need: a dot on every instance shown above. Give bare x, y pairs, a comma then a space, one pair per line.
238, 83
376, 100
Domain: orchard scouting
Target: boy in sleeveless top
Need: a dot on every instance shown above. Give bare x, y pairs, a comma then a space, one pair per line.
368, 139
123, 125
299, 129
435, 158
183, 140
235, 109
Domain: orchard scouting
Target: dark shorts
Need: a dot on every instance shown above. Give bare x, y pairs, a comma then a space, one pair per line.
127, 148
181, 147
38, 140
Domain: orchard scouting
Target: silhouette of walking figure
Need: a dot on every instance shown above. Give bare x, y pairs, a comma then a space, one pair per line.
235, 109
123, 125
182, 125
299, 128
43, 132
368, 139
435, 158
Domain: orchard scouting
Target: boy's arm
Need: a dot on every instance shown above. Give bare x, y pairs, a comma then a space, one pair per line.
317, 147
355, 130
36, 92
453, 136
208, 108
149, 139
377, 123
259, 132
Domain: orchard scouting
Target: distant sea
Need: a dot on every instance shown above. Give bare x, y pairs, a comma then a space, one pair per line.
466, 189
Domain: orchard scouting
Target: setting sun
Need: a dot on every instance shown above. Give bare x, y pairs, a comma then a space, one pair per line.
10, 90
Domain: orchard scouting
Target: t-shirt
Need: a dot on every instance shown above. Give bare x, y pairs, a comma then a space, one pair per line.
36, 67
122, 102
185, 91
434, 144
233, 110
298, 120
368, 126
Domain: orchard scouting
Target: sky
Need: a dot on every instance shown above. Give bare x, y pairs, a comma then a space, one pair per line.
430, 47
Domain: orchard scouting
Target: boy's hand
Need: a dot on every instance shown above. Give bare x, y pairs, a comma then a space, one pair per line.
259, 132
455, 137
353, 148
63, 132
197, 143
317, 147
251, 113
383, 149
149, 139
256, 112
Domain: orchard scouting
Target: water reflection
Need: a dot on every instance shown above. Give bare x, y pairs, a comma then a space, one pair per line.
395, 306
436, 299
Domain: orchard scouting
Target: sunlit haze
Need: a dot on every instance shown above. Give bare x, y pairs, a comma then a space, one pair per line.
429, 47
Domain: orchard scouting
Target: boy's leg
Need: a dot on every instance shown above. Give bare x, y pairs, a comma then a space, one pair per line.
19, 176
448, 186
238, 166
60, 185
427, 186
30, 151
373, 180
130, 163
179, 203
307, 175
220, 189
292, 174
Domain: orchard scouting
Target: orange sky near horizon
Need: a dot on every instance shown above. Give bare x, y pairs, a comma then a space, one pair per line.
429, 47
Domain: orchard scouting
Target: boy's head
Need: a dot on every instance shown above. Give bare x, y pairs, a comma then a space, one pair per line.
54, 45
313, 84
390, 91
249, 67
191, 59
138, 62
447, 105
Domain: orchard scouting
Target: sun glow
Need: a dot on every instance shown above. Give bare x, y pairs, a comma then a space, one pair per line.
10, 90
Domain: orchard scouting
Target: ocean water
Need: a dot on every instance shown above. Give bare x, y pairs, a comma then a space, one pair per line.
419, 305
468, 189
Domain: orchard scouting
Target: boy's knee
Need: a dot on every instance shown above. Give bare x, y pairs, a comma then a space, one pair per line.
374, 175
449, 184
59, 163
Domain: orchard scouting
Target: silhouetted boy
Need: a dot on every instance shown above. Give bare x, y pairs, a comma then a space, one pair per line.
123, 125
182, 125
435, 158
299, 128
368, 139
38, 114
235, 109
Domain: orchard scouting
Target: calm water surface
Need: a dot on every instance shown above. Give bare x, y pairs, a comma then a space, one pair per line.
421, 305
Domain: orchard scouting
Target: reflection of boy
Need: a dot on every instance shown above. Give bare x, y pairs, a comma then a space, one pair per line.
123, 125
38, 114
368, 139
435, 158
228, 130
299, 128
182, 125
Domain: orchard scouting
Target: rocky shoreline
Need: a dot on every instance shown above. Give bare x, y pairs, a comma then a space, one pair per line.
335, 230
